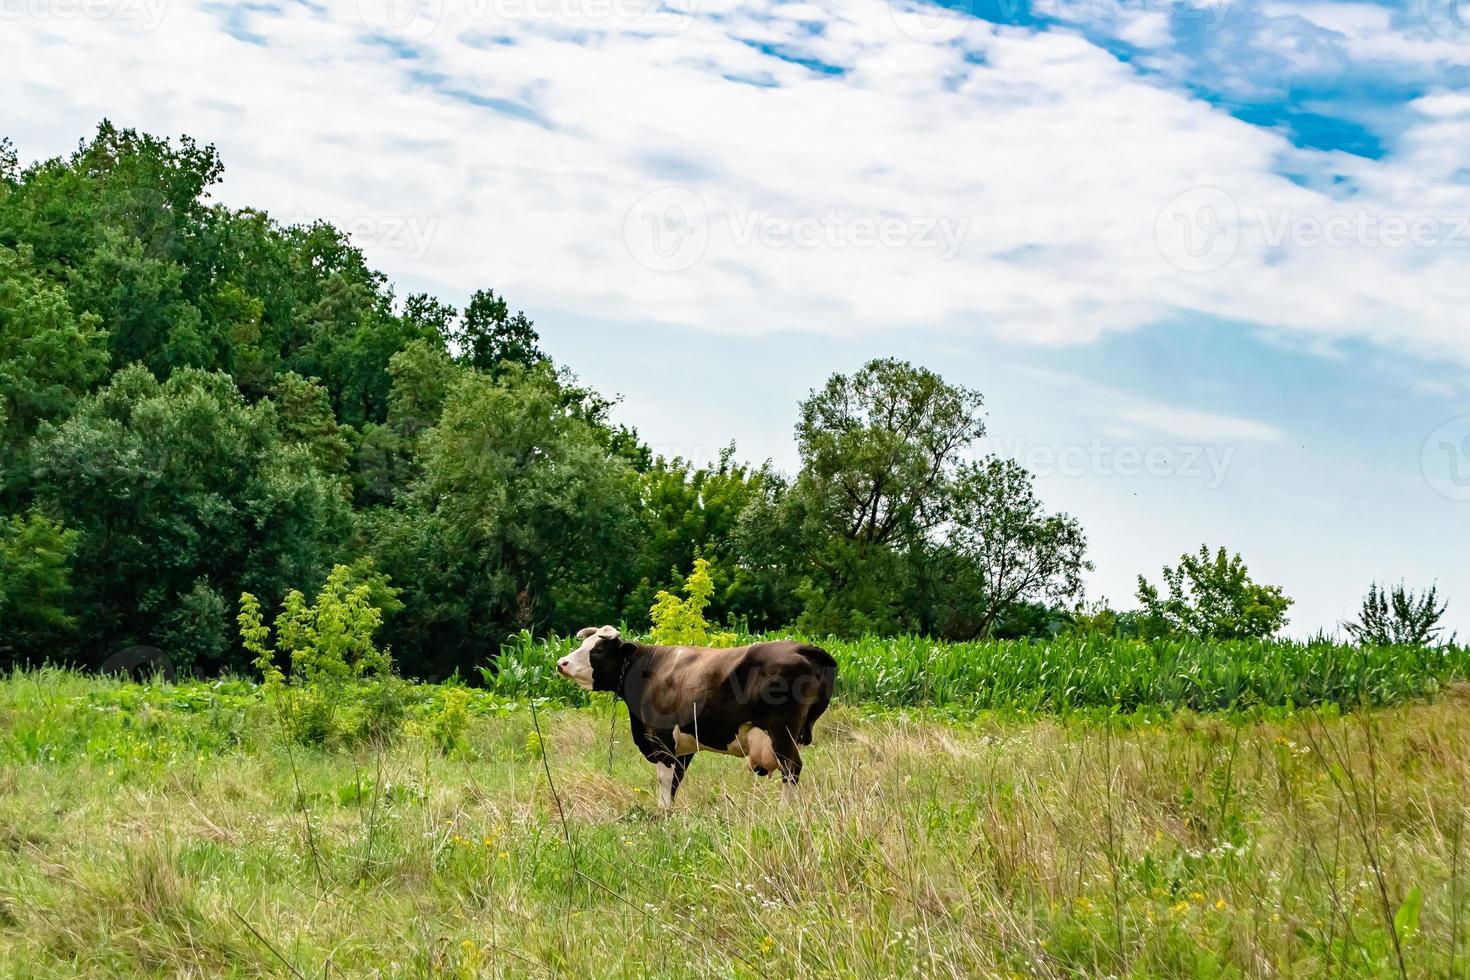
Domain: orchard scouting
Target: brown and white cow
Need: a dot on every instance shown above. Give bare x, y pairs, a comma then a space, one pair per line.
758, 702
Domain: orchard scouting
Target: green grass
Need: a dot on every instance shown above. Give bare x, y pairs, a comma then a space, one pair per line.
165, 831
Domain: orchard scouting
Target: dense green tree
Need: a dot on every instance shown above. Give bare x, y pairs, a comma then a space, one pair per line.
35, 587
1212, 597
115, 223
304, 416
688, 512
878, 446
125, 225
1030, 621
489, 335
520, 519
49, 356
387, 456
170, 483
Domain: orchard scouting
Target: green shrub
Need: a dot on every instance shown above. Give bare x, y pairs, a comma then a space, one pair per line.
681, 621
445, 727
332, 660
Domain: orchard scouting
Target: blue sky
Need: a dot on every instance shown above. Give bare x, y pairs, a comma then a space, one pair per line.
1207, 260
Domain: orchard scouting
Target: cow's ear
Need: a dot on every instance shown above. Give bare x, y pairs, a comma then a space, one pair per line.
585, 632
609, 632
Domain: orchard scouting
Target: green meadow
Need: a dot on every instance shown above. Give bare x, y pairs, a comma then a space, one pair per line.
953, 830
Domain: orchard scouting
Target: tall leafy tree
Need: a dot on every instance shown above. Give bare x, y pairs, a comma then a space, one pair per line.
878, 450
1004, 552
1214, 597
688, 512
489, 335
116, 223
126, 226
878, 446
387, 455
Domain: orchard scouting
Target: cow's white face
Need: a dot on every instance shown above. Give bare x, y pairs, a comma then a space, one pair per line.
577, 665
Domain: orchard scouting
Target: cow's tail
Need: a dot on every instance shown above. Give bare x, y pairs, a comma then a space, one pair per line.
826, 667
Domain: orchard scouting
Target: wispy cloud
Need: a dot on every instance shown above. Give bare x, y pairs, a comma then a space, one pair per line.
1195, 426
1126, 415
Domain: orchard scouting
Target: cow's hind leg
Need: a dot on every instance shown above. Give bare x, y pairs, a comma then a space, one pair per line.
813, 712
670, 775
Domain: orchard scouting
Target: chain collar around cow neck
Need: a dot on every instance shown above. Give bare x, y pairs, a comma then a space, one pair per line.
621, 689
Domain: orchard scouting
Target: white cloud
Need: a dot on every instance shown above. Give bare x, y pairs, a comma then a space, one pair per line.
1355, 19
1123, 415
1059, 177
1196, 426
1443, 104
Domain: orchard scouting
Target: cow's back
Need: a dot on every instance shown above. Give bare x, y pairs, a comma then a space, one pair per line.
777, 686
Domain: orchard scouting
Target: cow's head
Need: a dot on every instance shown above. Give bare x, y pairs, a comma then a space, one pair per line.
598, 663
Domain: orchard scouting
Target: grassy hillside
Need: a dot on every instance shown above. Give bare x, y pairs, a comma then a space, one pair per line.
165, 831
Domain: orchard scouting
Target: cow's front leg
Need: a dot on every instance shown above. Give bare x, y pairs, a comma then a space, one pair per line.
670, 775
788, 759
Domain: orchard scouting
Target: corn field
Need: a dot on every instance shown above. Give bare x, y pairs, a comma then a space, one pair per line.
1078, 673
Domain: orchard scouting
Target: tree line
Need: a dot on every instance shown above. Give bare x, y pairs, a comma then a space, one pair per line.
198, 402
